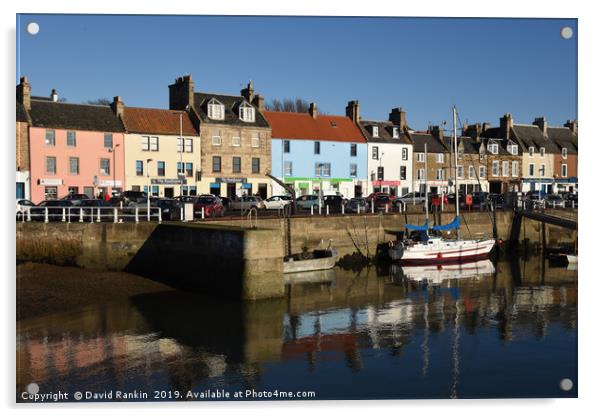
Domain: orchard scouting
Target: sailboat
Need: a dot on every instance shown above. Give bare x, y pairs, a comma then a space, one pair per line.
424, 246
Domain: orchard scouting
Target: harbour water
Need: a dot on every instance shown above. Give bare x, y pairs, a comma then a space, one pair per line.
482, 330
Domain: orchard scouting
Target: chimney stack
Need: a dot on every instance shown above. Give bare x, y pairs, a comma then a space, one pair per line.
398, 117
117, 106
572, 125
542, 124
313, 110
248, 93
353, 111
181, 93
506, 125
24, 93
258, 102
437, 132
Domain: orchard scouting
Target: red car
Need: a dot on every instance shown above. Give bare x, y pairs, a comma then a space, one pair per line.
436, 199
208, 204
375, 196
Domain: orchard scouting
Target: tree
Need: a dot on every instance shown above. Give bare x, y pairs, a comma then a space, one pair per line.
296, 105
100, 101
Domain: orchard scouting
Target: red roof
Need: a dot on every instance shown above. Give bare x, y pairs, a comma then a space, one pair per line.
287, 125
157, 121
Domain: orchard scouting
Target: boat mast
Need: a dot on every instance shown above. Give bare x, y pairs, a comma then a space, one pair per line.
426, 188
456, 168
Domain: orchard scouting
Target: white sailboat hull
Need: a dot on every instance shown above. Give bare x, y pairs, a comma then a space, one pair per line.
438, 250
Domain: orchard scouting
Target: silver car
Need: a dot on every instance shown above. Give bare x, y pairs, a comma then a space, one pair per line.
246, 203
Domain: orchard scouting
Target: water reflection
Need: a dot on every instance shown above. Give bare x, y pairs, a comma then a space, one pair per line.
477, 330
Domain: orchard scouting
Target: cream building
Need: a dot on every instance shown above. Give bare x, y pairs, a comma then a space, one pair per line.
155, 155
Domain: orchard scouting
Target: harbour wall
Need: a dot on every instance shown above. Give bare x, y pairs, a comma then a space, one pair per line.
228, 257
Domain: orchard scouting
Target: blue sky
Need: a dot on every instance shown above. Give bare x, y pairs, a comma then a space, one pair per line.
486, 67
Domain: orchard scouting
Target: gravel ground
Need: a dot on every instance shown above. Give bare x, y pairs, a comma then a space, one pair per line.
44, 289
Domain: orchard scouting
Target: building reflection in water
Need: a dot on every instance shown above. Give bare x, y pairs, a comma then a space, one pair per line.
174, 340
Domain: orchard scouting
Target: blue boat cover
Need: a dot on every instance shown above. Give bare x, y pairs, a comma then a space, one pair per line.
424, 227
455, 224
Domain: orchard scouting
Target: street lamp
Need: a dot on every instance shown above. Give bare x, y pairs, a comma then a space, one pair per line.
148, 193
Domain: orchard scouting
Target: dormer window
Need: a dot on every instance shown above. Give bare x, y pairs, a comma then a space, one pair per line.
396, 132
246, 112
374, 131
564, 153
512, 149
493, 148
542, 152
531, 151
215, 110
460, 153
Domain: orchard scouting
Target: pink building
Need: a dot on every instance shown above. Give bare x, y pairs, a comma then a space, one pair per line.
74, 148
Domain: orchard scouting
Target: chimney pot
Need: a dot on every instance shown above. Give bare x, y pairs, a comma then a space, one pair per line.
117, 106
397, 116
181, 93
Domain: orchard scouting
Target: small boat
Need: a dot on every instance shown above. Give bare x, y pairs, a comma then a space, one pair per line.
316, 260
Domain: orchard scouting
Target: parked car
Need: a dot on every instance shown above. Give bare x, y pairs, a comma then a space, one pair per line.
376, 195
554, 200
411, 198
437, 198
497, 200
55, 210
451, 198
306, 202
22, 206
382, 202
334, 203
226, 202
209, 205
570, 198
170, 208
89, 209
355, 203
277, 202
534, 200
128, 198
246, 202
76, 199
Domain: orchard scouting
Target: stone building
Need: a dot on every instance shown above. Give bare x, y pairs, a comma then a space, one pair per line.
22, 144
437, 160
565, 162
235, 138
471, 166
390, 156
502, 158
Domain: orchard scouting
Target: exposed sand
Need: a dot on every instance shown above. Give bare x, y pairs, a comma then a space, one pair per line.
44, 289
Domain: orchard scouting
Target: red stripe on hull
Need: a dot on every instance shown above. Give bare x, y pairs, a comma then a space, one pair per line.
436, 261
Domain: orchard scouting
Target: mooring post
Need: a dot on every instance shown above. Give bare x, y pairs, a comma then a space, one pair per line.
45, 214
372, 204
358, 208
28, 214
311, 210
81, 215
327, 210
63, 218
386, 208
342, 208
136, 214
98, 215
115, 218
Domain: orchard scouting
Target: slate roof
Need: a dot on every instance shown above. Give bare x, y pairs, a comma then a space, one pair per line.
470, 145
231, 105
288, 125
531, 135
21, 113
50, 114
157, 121
385, 132
564, 138
433, 145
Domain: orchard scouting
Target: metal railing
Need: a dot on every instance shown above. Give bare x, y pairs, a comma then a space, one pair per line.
90, 214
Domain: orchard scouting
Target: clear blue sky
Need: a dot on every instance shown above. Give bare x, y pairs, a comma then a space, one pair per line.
485, 66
